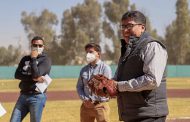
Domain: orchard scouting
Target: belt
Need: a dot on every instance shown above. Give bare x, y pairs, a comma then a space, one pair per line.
30, 92
98, 102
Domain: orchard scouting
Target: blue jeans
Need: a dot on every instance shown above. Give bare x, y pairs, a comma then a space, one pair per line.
29, 103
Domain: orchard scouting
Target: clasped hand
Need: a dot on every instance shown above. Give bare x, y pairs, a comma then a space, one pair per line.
34, 53
39, 79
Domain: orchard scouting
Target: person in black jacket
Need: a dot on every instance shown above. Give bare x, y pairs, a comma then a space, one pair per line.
141, 73
31, 70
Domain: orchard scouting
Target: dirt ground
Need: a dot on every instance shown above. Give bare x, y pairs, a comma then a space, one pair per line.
72, 95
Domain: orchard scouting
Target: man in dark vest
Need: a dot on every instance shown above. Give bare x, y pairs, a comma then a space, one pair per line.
141, 76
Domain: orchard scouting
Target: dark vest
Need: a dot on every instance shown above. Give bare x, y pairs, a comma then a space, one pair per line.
147, 103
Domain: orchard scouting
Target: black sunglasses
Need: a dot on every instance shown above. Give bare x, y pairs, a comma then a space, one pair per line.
37, 45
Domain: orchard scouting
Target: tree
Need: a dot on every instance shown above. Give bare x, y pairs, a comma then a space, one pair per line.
152, 31
177, 35
114, 10
10, 55
80, 25
42, 25
182, 23
172, 44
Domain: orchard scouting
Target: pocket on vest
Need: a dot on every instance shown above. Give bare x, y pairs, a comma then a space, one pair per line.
134, 99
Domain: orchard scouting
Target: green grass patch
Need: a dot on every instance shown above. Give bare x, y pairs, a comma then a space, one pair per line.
69, 111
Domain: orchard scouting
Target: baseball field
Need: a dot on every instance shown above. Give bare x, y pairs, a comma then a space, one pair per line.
63, 104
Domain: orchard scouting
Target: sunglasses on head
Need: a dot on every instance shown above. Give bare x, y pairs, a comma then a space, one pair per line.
37, 45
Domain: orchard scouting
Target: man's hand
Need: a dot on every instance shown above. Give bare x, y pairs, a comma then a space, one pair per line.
102, 86
39, 79
34, 53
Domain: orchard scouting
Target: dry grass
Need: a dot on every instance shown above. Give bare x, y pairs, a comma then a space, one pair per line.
178, 83
179, 107
70, 84
68, 111
56, 85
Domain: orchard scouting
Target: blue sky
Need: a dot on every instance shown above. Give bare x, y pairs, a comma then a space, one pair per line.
160, 12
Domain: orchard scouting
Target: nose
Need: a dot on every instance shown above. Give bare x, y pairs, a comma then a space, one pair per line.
126, 32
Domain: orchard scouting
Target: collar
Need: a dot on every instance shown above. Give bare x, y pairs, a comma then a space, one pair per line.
134, 39
42, 55
97, 63
144, 35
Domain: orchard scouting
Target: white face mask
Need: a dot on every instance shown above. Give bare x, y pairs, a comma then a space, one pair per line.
90, 57
38, 49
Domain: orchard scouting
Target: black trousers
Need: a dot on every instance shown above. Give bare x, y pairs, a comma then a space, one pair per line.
150, 119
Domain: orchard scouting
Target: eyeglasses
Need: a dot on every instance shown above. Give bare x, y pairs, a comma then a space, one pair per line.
128, 26
37, 45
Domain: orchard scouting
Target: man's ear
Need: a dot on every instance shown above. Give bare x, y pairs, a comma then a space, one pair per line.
99, 54
143, 27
